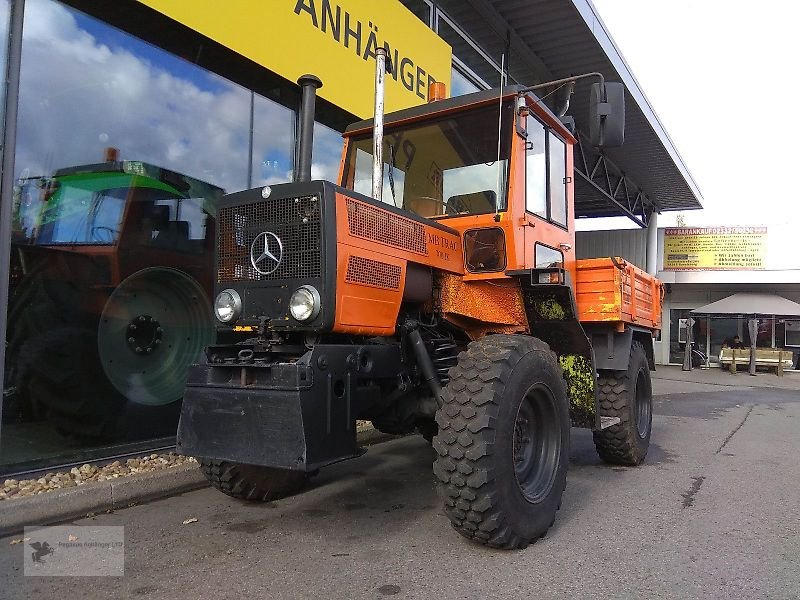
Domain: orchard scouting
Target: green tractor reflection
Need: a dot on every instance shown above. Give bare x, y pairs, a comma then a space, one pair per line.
112, 271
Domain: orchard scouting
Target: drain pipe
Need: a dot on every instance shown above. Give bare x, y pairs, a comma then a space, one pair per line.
377, 128
305, 136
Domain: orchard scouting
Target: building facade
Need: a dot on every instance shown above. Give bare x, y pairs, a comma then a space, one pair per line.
125, 121
700, 265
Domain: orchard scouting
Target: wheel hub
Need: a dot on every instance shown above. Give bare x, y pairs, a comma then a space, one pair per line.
522, 440
143, 334
643, 407
536, 445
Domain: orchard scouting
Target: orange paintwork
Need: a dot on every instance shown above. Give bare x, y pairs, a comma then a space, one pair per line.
480, 302
607, 293
366, 231
481, 307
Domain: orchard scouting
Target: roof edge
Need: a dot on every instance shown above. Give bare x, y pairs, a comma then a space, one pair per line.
592, 19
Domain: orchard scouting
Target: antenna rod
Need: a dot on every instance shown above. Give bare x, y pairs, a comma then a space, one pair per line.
377, 128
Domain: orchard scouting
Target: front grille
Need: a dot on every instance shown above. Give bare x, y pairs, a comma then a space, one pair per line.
296, 221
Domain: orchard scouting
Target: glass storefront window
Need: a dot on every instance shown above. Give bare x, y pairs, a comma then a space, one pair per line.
420, 8
678, 318
722, 331
764, 336
460, 84
467, 54
86, 86
327, 153
273, 142
112, 254
5, 16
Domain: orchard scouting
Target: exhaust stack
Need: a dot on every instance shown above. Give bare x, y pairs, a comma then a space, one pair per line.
377, 130
305, 136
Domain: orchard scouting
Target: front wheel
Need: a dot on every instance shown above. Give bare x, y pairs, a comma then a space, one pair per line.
252, 482
503, 441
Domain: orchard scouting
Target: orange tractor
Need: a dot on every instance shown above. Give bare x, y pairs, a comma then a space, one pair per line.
433, 289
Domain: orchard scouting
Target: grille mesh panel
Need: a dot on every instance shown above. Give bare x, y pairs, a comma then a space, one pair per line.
366, 271
238, 226
381, 226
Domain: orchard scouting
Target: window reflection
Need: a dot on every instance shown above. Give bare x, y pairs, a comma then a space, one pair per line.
420, 9
273, 142
465, 51
5, 16
112, 262
327, 153
536, 169
460, 84
85, 86
546, 257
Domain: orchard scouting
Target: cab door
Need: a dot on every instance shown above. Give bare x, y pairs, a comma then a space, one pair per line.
549, 204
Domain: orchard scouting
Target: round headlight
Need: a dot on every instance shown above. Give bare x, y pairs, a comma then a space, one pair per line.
228, 306
304, 303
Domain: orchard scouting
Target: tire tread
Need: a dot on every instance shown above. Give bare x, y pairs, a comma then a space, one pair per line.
465, 441
617, 444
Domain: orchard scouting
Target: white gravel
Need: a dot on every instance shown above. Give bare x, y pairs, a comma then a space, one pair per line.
13, 488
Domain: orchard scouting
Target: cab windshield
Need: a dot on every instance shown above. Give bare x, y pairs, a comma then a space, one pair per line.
439, 168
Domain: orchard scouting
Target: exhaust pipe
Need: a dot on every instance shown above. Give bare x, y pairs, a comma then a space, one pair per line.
305, 136
377, 129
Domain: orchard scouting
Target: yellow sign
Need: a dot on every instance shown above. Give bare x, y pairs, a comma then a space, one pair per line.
332, 39
715, 248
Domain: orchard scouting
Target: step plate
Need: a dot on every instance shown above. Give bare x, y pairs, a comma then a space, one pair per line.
608, 422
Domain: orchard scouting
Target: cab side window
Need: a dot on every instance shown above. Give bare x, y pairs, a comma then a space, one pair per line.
545, 179
536, 169
557, 158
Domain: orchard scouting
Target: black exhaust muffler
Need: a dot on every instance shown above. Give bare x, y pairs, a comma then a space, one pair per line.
305, 135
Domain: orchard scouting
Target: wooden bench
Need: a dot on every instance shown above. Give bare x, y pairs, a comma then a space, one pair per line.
771, 358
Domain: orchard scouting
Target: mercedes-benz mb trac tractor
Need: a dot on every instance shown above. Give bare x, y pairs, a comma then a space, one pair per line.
453, 307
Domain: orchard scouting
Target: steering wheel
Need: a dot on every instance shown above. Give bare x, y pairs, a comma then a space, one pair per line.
109, 231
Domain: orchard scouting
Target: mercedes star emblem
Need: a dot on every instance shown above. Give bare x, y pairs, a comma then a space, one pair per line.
266, 252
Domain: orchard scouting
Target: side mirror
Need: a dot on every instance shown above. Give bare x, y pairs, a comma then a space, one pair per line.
607, 117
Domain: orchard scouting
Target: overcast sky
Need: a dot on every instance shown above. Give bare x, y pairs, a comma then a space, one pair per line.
722, 77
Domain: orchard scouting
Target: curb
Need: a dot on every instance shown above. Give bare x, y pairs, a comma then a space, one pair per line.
102, 496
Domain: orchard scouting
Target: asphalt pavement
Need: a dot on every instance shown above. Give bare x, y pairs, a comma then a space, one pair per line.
713, 513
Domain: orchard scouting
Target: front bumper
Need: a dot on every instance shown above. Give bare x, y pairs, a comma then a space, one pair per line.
297, 415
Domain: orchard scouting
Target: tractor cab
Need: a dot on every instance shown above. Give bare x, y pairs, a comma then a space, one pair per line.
495, 167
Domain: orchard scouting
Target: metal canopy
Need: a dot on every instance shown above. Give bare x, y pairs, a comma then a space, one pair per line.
751, 303
567, 37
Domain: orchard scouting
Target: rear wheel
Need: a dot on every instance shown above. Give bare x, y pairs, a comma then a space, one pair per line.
252, 482
627, 395
503, 441
58, 376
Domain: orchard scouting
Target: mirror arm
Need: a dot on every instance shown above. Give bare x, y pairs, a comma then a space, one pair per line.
539, 86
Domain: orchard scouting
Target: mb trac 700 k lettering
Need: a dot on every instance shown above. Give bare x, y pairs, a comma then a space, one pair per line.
453, 307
